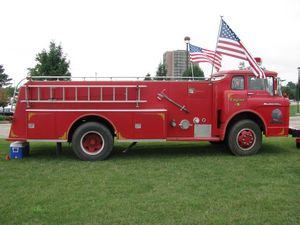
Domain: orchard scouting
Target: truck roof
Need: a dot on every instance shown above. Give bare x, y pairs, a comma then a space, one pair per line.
239, 72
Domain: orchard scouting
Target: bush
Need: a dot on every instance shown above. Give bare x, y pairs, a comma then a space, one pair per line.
4, 118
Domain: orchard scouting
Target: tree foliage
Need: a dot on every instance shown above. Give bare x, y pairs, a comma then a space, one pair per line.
51, 63
161, 72
4, 80
290, 89
10, 91
148, 76
195, 72
3, 97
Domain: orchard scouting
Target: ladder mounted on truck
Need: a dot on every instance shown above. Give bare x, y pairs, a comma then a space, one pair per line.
81, 93
52, 98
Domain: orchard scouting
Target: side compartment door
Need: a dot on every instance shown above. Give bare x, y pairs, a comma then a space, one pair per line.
149, 125
41, 125
199, 101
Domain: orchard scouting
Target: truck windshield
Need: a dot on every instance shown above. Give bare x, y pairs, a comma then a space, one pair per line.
270, 85
261, 84
279, 91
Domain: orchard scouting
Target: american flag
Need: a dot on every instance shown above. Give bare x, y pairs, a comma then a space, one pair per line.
230, 44
200, 55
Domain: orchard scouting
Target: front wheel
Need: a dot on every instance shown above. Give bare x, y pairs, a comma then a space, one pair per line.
244, 138
92, 141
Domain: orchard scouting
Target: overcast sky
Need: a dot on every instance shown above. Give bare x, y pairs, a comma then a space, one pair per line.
128, 38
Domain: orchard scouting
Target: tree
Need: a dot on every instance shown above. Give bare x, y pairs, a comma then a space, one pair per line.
297, 93
196, 72
3, 97
161, 72
148, 76
290, 89
51, 63
4, 80
10, 91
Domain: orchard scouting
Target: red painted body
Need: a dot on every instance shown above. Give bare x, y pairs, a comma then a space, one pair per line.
143, 110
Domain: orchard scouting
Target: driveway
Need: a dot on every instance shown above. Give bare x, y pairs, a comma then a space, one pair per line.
4, 128
295, 122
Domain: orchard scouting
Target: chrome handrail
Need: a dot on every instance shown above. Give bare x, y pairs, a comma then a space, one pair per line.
111, 78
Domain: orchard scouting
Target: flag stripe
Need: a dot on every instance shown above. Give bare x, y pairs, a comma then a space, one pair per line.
257, 70
229, 52
229, 42
201, 55
214, 56
199, 59
232, 48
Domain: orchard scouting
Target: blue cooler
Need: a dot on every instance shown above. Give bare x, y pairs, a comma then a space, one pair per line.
19, 149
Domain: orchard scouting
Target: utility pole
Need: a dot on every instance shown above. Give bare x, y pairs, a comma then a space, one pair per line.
187, 42
298, 91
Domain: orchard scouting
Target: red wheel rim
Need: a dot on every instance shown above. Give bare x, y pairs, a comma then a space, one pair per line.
92, 143
245, 139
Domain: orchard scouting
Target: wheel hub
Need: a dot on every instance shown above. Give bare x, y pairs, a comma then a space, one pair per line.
246, 139
92, 143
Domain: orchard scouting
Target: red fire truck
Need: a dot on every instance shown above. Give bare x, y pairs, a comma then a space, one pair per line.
231, 107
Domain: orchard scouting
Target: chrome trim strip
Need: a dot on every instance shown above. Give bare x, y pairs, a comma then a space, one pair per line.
141, 140
96, 110
127, 140
86, 86
93, 78
270, 103
83, 101
45, 140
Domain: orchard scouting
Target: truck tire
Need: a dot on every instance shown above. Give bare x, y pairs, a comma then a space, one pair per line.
244, 138
92, 141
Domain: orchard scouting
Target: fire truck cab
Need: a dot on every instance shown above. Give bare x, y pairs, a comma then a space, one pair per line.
232, 107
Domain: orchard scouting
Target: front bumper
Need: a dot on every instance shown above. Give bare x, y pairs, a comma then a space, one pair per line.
294, 132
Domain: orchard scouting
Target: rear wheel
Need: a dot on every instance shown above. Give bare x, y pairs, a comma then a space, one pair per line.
244, 138
92, 141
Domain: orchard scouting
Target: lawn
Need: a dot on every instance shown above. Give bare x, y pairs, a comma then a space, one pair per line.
3, 117
153, 183
293, 110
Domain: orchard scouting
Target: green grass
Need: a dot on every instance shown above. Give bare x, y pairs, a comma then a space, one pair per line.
293, 110
161, 183
3, 117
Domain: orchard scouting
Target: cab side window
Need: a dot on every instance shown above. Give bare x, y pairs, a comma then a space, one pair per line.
238, 83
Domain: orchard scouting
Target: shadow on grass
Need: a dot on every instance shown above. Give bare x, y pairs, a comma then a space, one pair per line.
48, 151
141, 150
154, 150
171, 150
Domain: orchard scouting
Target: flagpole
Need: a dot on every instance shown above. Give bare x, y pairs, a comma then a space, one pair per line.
187, 42
212, 67
192, 69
